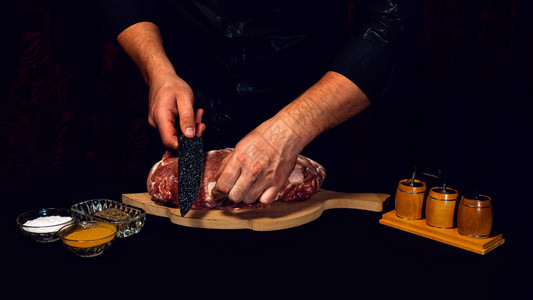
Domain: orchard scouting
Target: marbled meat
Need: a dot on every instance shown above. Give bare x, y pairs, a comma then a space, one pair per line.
162, 182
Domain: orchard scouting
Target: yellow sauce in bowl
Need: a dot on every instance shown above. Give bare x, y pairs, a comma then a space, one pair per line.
89, 237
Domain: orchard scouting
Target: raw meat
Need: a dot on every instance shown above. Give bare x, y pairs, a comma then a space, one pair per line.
162, 182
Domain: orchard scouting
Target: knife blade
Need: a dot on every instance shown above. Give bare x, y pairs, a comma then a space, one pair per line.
190, 170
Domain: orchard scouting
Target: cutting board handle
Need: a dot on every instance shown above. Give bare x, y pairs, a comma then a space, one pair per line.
363, 201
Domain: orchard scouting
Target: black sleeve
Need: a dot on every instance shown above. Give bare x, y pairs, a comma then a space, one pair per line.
367, 59
117, 15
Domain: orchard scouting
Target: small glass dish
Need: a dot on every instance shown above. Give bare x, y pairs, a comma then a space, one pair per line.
88, 238
47, 233
86, 210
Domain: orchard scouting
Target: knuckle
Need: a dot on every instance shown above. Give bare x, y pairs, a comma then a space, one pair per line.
238, 191
236, 194
168, 141
221, 188
151, 121
250, 198
186, 116
256, 169
268, 196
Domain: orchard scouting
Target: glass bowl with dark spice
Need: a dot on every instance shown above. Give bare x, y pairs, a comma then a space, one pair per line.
128, 219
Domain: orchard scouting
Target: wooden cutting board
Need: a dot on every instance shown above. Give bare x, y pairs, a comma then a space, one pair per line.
280, 215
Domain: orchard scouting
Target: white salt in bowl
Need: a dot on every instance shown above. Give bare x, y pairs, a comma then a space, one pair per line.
43, 224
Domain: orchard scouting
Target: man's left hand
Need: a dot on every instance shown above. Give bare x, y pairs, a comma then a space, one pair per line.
260, 164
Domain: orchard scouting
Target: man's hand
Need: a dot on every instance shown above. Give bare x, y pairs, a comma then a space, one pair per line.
264, 159
170, 96
260, 164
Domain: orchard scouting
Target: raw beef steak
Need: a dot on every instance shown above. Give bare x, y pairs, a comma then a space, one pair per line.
162, 182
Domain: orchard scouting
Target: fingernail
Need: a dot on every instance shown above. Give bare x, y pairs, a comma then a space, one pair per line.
189, 131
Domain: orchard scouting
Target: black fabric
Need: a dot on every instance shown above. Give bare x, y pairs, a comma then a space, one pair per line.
117, 15
268, 46
245, 60
368, 58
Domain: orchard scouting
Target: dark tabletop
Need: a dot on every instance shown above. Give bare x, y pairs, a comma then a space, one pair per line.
344, 252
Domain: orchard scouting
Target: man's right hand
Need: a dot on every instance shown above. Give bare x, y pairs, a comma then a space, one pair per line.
169, 96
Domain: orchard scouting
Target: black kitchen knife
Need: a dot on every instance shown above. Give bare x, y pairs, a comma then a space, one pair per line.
190, 169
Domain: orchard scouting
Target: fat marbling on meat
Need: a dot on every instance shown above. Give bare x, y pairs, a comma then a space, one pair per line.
162, 182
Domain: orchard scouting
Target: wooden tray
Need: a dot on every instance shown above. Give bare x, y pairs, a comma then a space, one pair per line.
448, 236
280, 215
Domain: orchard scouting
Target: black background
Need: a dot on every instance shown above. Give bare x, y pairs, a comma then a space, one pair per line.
73, 127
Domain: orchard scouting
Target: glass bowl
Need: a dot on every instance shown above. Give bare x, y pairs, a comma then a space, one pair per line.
96, 210
52, 220
88, 238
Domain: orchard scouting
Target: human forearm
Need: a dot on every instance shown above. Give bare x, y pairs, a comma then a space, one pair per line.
169, 94
263, 160
328, 103
142, 42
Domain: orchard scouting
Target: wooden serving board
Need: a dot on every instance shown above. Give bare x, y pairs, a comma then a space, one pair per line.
280, 215
448, 236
